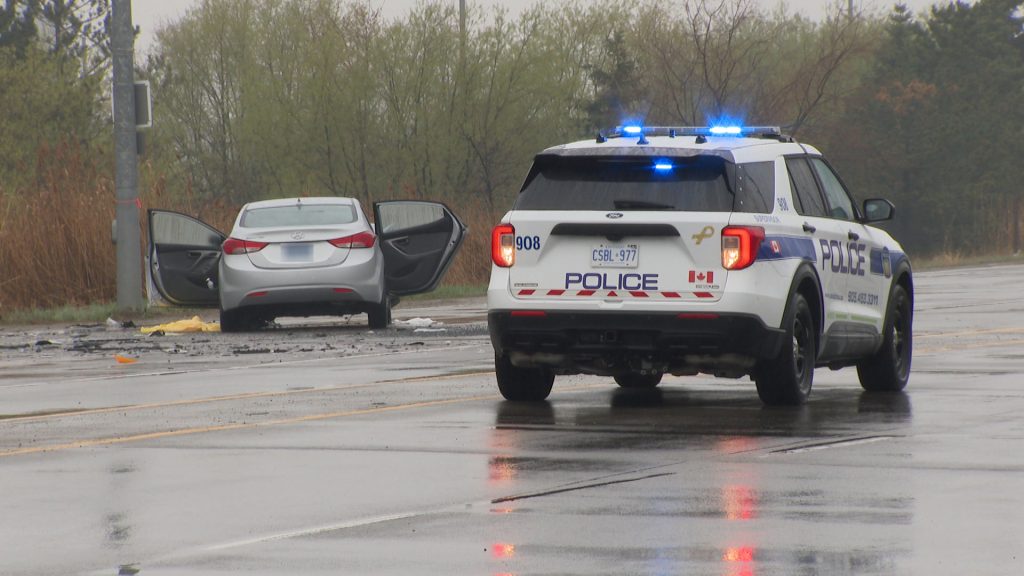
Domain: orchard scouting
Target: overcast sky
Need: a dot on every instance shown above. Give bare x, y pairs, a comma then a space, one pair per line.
151, 14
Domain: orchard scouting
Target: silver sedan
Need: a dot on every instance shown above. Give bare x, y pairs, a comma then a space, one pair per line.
303, 257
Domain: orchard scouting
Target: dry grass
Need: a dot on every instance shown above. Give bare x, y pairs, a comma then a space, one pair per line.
55, 239
55, 245
56, 249
472, 265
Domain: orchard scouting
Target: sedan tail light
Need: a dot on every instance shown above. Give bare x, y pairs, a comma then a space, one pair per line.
740, 245
360, 240
503, 245
236, 246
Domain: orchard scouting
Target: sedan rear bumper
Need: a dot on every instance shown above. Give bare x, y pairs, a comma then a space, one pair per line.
358, 280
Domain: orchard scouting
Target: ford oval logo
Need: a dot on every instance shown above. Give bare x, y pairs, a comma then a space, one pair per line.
613, 215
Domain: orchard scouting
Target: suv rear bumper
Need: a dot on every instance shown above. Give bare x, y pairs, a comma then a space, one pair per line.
614, 342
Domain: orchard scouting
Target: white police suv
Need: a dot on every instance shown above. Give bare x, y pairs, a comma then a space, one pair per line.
725, 250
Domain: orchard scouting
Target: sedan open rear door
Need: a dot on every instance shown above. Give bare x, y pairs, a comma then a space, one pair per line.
184, 255
419, 240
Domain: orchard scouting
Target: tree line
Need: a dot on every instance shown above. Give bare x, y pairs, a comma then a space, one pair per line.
272, 97
263, 98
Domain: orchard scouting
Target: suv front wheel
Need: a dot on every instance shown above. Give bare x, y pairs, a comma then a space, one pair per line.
889, 369
522, 384
787, 379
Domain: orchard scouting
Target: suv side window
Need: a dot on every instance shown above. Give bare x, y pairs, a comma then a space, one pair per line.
841, 207
808, 197
755, 187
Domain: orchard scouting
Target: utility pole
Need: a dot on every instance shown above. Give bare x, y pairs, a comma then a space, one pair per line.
462, 28
126, 175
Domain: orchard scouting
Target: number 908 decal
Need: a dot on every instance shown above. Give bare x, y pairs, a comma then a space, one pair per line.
527, 242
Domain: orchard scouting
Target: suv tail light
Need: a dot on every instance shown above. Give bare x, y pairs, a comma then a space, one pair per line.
503, 245
740, 245
236, 246
360, 240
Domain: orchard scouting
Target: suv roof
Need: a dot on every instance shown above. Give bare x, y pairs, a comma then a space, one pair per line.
749, 145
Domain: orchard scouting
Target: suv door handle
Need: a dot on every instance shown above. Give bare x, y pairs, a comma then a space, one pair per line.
809, 229
853, 236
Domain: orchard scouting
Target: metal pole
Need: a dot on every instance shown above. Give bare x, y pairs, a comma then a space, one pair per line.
126, 176
462, 21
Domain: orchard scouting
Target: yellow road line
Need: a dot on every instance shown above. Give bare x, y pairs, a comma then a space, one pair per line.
245, 396
226, 427
252, 425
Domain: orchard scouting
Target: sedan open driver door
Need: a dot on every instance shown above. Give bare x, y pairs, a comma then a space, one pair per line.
184, 254
419, 241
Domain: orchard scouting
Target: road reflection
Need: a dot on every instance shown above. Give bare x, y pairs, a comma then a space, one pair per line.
732, 487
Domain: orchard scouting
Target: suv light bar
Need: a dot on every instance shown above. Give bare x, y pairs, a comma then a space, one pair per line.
673, 131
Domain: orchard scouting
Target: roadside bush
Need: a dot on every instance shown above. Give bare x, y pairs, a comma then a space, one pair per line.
55, 237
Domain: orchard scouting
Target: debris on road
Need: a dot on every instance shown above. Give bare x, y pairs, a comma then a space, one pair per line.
295, 339
418, 324
195, 324
111, 323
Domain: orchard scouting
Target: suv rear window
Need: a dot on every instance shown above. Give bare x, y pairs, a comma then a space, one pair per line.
692, 184
299, 215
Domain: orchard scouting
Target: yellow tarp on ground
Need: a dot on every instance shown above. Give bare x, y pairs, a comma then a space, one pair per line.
195, 324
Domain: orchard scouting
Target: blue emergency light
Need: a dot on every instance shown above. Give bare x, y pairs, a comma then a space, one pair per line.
673, 131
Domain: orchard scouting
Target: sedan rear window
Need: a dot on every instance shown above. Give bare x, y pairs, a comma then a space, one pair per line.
299, 215
694, 184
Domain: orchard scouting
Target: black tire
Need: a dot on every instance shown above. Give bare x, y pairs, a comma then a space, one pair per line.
379, 315
634, 380
889, 369
522, 384
232, 321
786, 380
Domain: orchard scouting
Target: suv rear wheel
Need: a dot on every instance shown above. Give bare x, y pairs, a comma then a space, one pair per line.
787, 379
522, 384
889, 369
635, 380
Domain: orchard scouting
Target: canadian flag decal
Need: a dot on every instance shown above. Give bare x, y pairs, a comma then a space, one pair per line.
702, 277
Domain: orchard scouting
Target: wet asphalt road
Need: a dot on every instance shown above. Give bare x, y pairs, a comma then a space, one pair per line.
325, 449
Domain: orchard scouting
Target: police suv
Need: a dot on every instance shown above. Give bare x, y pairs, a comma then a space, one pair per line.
678, 250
